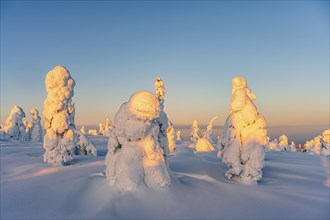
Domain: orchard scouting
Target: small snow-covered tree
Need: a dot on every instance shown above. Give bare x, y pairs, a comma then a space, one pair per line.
244, 136
108, 128
82, 129
101, 129
178, 136
292, 147
135, 156
36, 129
320, 144
61, 138
195, 133
15, 128
283, 141
170, 133
209, 131
203, 145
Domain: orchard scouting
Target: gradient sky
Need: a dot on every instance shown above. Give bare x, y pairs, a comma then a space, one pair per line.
113, 49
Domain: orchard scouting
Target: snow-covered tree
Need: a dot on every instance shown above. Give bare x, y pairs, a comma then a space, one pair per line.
15, 128
203, 145
283, 141
36, 129
135, 156
195, 133
170, 133
101, 129
108, 128
178, 136
162, 119
292, 147
61, 138
82, 129
244, 136
209, 131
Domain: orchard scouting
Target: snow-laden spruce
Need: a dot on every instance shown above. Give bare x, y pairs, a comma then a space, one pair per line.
82, 129
36, 129
170, 133
14, 128
106, 128
162, 119
61, 138
209, 131
244, 136
178, 136
195, 133
135, 156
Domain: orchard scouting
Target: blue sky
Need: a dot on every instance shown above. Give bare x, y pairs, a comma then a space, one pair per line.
113, 49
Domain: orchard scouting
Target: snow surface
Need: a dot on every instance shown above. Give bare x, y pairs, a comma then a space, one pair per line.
292, 187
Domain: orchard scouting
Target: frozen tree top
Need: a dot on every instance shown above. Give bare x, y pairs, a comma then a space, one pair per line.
16, 114
143, 105
160, 89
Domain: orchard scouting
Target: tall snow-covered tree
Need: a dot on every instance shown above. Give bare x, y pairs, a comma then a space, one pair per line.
61, 138
135, 156
244, 136
209, 131
170, 133
162, 119
36, 129
195, 133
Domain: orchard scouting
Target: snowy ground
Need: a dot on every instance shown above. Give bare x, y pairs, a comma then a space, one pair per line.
293, 187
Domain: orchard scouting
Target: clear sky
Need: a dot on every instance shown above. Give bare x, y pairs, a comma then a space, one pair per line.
113, 49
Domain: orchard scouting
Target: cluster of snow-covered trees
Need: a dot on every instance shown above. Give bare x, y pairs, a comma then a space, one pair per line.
17, 128
142, 136
320, 144
280, 144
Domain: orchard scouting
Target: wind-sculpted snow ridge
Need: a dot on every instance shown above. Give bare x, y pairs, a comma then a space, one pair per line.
135, 156
244, 136
61, 138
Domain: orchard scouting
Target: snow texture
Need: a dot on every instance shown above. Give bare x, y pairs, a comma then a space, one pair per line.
244, 136
36, 129
135, 156
15, 128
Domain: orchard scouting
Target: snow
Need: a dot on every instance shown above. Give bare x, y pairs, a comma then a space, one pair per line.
244, 136
320, 144
170, 133
195, 133
135, 156
292, 187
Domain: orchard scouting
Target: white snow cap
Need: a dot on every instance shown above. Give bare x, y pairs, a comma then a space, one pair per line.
143, 105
